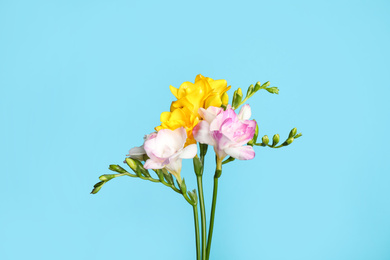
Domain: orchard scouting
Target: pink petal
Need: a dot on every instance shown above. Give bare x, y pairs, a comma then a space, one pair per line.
241, 153
150, 164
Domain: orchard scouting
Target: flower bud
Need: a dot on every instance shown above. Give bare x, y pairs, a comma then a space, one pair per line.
250, 91
107, 177
97, 187
275, 140
273, 90
265, 85
265, 140
237, 97
117, 168
298, 135
289, 140
132, 164
257, 86
293, 132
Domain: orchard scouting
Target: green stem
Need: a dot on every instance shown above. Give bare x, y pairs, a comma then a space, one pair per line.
202, 215
218, 173
196, 231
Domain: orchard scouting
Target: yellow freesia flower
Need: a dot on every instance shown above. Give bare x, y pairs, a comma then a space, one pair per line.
205, 92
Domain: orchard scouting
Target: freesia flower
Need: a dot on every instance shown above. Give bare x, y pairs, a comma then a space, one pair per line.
205, 92
165, 149
227, 132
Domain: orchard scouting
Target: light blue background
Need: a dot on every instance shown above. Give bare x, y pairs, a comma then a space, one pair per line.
81, 82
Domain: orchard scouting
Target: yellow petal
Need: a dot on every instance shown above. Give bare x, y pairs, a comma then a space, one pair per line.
174, 91
213, 100
165, 116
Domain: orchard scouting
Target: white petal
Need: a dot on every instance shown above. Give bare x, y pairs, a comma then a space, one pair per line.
245, 112
210, 113
168, 142
137, 153
150, 164
189, 152
202, 133
174, 166
241, 153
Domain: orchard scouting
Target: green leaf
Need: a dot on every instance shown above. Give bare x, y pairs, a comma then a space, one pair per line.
203, 149
193, 196
183, 187
197, 166
169, 179
230, 159
160, 174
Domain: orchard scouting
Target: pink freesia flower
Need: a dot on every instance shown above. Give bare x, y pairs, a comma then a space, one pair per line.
165, 149
227, 132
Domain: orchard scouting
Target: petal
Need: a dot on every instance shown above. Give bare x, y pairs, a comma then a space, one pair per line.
202, 134
245, 112
174, 166
150, 164
210, 113
189, 152
174, 91
137, 153
241, 153
181, 134
167, 143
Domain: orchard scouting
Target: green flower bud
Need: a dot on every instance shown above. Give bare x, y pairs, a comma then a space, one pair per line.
257, 86
265, 85
250, 91
132, 164
97, 187
275, 140
237, 97
289, 140
273, 90
298, 135
265, 140
117, 168
293, 132
107, 177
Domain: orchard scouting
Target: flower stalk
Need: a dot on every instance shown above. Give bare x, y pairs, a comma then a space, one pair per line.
218, 172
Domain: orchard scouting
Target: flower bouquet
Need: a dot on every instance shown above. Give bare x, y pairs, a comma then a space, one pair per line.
200, 115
